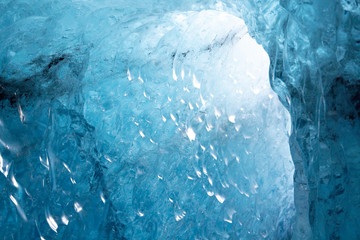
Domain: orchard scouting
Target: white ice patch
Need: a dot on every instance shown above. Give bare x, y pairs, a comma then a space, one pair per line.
191, 134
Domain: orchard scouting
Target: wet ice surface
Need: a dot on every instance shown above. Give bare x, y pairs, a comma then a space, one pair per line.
157, 127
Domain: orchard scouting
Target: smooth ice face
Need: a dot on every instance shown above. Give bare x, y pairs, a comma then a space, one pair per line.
155, 126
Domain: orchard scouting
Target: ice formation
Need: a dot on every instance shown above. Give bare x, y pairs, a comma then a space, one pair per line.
156, 120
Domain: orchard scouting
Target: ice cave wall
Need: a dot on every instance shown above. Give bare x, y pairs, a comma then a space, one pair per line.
314, 52
314, 68
143, 120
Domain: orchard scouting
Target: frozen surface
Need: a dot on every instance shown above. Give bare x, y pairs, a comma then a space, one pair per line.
315, 67
150, 119
152, 126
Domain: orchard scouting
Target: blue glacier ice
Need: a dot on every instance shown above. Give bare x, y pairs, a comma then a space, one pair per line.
159, 119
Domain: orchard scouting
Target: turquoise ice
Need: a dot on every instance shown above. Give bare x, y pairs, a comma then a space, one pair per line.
179, 120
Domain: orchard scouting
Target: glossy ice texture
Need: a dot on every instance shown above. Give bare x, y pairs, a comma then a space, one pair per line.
121, 124
156, 120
